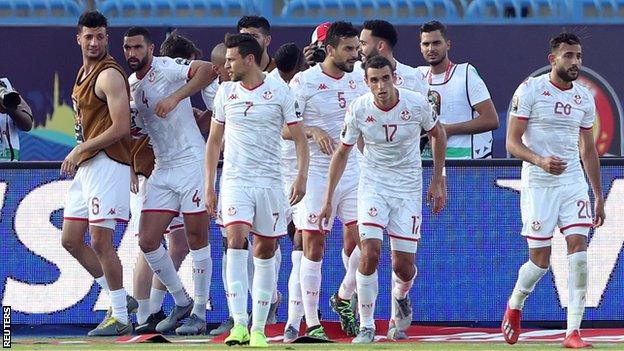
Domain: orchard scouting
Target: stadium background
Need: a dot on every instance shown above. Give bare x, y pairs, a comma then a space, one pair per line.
469, 255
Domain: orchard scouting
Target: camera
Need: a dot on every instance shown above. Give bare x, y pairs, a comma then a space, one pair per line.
319, 54
9, 97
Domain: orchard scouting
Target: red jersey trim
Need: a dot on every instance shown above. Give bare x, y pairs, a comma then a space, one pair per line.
100, 220
349, 145
350, 223
560, 87
402, 238
373, 225
236, 222
386, 109
216, 120
176, 226
146, 72
76, 219
587, 128
330, 76
195, 213
267, 236
292, 123
586, 225
251, 89
160, 210
314, 231
538, 239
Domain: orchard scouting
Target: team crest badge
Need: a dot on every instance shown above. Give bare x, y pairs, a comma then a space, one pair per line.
577, 99
312, 218
352, 84
406, 115
399, 80
372, 211
151, 77
231, 211
536, 225
267, 95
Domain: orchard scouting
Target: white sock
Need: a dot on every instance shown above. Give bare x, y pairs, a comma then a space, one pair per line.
119, 304
162, 265
157, 297
295, 307
144, 311
237, 282
202, 274
278, 264
401, 288
577, 289
345, 259
528, 276
310, 277
368, 288
224, 278
263, 285
104, 284
250, 266
347, 287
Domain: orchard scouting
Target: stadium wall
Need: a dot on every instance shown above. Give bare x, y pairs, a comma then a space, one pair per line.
44, 62
467, 259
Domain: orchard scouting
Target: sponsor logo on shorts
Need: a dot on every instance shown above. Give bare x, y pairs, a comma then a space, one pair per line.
372, 211
536, 225
231, 211
312, 218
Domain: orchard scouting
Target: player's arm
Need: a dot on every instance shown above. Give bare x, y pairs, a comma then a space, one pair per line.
436, 194
21, 115
486, 121
298, 189
591, 164
200, 76
336, 169
213, 149
203, 120
321, 137
515, 129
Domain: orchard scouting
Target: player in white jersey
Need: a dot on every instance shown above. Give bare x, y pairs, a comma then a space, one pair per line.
389, 120
460, 97
160, 87
289, 60
323, 93
550, 124
379, 37
249, 113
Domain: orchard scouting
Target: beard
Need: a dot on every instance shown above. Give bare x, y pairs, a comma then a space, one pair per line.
235, 77
436, 62
567, 75
371, 54
138, 65
344, 66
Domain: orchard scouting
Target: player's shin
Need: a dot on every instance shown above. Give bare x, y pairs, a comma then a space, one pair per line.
577, 289
238, 287
528, 276
310, 287
295, 307
262, 291
347, 287
162, 265
368, 288
202, 275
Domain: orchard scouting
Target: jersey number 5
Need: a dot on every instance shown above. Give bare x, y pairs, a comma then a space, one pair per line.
342, 102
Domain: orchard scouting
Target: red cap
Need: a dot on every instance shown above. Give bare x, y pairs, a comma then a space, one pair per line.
320, 32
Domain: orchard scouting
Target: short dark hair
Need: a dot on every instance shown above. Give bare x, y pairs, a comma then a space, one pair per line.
432, 26
179, 46
134, 31
288, 57
92, 19
378, 62
246, 44
339, 30
383, 30
254, 22
567, 38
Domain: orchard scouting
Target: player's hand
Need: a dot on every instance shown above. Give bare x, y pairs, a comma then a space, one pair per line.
70, 164
308, 53
166, 105
599, 212
324, 216
211, 202
134, 182
324, 141
297, 190
553, 165
436, 194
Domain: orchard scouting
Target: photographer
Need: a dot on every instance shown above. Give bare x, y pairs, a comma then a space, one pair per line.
15, 114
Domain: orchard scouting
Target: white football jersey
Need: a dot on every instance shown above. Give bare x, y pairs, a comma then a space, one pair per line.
322, 101
407, 77
554, 118
176, 138
392, 163
209, 92
253, 120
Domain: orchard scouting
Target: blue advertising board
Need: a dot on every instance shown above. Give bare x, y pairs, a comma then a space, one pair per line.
467, 259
